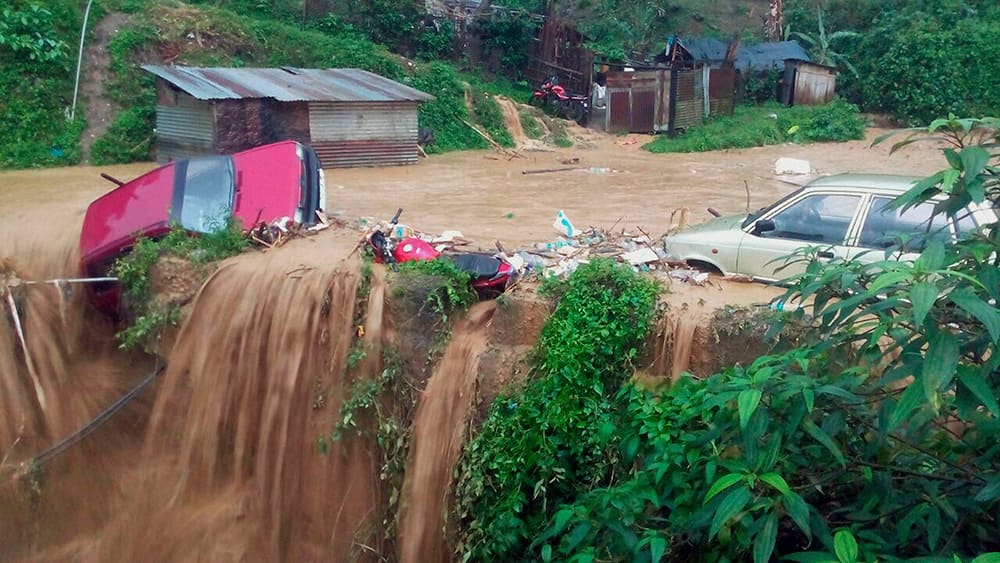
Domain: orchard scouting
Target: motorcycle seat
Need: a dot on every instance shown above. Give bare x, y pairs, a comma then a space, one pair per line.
477, 264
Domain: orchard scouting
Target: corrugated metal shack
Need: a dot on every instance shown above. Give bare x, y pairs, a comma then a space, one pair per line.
802, 82
664, 100
350, 116
807, 83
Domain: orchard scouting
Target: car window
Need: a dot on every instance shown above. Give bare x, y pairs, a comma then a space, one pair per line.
819, 218
885, 227
965, 222
206, 193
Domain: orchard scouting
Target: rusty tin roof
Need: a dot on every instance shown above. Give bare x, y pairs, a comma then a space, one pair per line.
287, 84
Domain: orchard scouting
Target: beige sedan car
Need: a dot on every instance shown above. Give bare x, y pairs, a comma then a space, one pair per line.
846, 216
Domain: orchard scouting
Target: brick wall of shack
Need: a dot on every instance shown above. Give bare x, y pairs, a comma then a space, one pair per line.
242, 124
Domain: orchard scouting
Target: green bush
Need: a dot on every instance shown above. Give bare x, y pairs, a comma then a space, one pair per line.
769, 124
146, 319
437, 42
761, 88
538, 447
915, 59
445, 113
36, 85
872, 440
118, 144
489, 115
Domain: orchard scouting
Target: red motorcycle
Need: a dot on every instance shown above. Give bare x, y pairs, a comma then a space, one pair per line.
490, 275
563, 104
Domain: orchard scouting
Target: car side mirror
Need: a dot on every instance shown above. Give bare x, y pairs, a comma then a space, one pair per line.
763, 226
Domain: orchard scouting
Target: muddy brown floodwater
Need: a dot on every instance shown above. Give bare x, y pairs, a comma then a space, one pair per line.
217, 460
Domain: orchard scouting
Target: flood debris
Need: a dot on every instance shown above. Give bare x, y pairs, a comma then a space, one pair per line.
278, 232
564, 254
549, 170
785, 165
689, 275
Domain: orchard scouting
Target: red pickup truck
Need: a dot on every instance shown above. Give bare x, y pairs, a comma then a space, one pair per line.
265, 183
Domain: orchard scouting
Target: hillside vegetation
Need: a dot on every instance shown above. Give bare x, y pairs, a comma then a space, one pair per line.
911, 60
205, 35
36, 84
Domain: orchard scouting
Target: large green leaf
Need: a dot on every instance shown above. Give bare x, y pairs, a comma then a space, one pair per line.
730, 506
974, 159
747, 402
981, 310
909, 401
845, 546
932, 258
975, 382
777, 482
763, 544
993, 557
922, 296
657, 547
940, 363
723, 483
823, 438
991, 491
799, 511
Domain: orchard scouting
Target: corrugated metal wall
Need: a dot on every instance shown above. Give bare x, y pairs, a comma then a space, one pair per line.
721, 90
639, 102
814, 85
184, 129
690, 99
348, 134
644, 100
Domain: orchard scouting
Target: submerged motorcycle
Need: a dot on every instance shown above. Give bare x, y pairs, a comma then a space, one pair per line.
490, 274
564, 104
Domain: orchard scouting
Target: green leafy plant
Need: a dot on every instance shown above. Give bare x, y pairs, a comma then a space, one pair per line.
539, 445
768, 124
147, 319
36, 86
437, 287
30, 33
821, 45
871, 439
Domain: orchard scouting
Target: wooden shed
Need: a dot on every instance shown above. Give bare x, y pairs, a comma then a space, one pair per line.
350, 116
664, 100
808, 84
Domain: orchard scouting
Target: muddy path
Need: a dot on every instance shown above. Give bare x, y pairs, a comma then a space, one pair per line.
99, 109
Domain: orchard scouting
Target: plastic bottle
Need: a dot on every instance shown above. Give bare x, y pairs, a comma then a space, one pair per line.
784, 306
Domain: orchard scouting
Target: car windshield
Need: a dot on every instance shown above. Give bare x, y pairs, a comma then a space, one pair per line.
203, 193
757, 214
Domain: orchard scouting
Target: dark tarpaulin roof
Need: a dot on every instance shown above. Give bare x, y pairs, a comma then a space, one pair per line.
287, 84
762, 56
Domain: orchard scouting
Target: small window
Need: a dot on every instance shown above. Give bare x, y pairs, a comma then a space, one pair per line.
820, 218
207, 193
885, 227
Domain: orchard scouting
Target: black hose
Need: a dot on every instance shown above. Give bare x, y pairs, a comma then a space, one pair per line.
96, 422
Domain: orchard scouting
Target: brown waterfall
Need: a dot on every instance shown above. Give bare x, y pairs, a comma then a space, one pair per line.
439, 428
231, 467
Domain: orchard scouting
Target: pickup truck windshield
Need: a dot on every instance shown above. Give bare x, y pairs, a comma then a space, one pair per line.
203, 193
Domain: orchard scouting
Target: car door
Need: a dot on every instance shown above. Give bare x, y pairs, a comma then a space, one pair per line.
909, 230
813, 219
